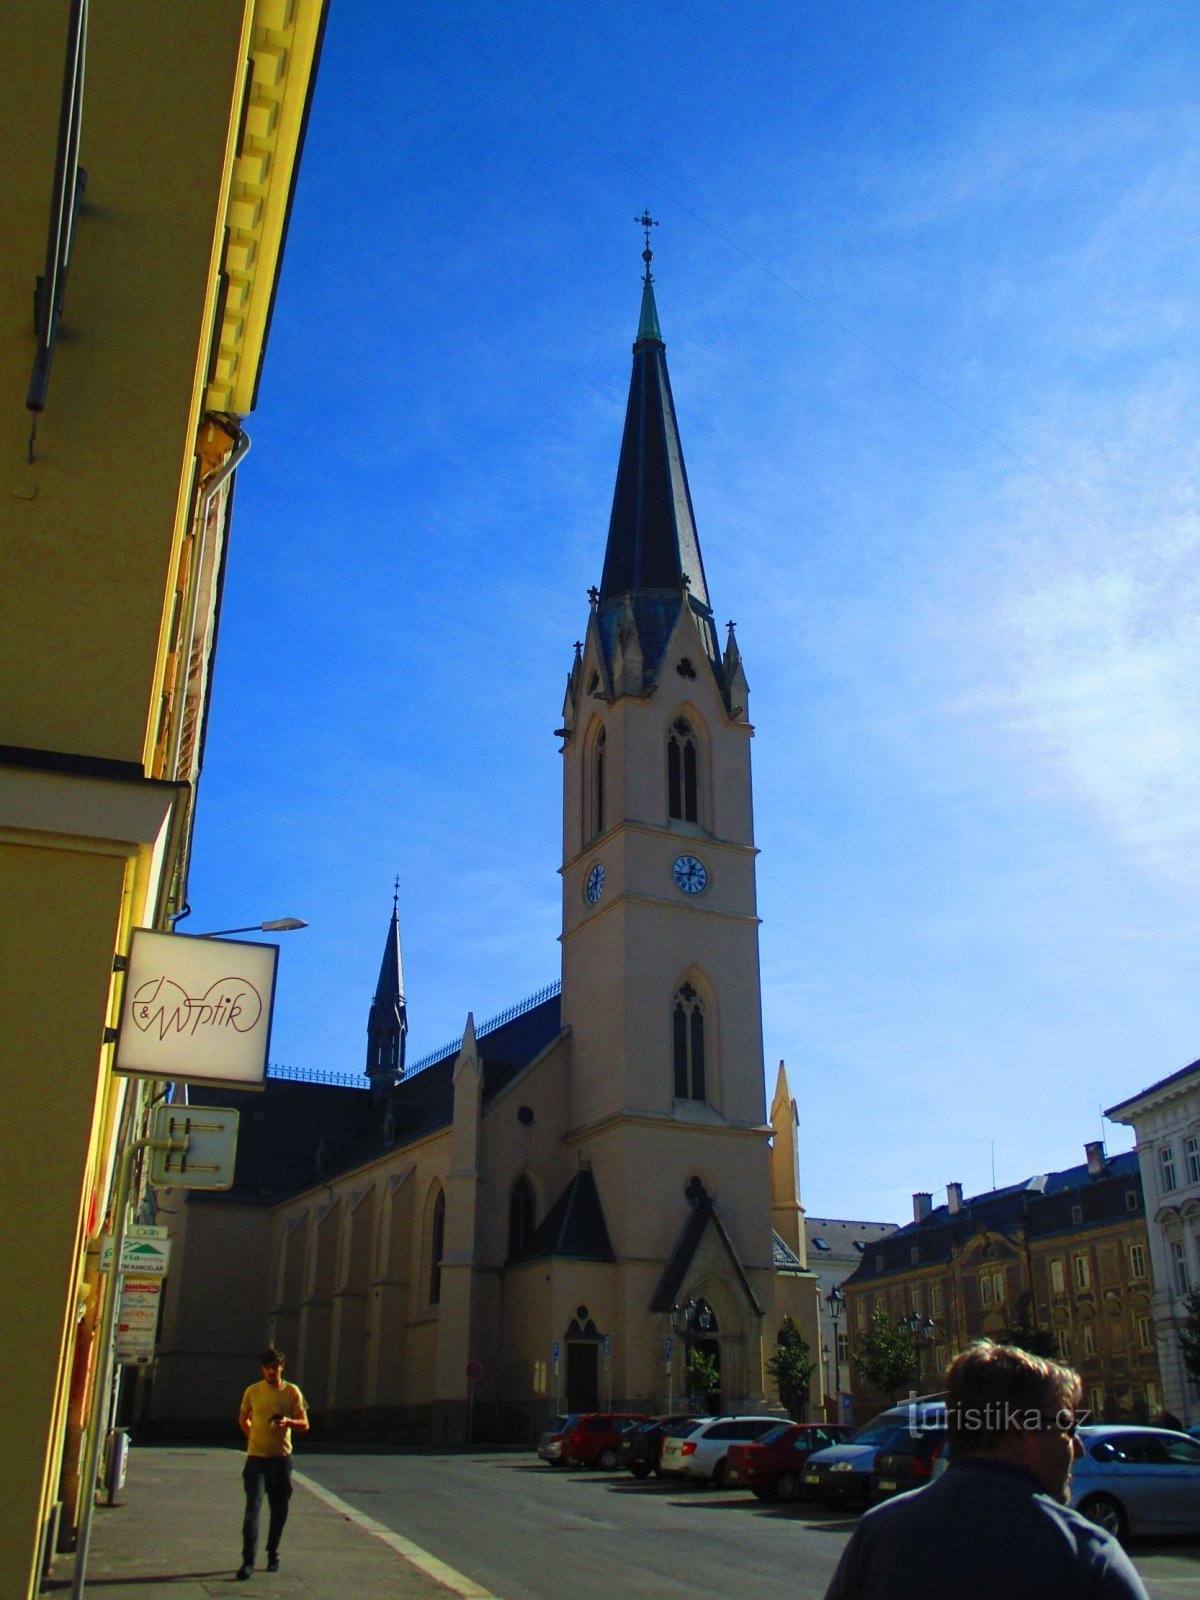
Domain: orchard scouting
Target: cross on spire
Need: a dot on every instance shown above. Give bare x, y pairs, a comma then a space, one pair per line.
646, 222
396, 895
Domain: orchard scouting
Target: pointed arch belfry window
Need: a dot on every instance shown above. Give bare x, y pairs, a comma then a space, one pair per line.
682, 772
598, 755
688, 1043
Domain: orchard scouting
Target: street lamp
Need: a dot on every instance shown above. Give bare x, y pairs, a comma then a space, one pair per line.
835, 1301
692, 1317
922, 1335
280, 925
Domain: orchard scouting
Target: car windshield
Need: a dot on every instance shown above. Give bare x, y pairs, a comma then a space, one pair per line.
879, 1436
773, 1433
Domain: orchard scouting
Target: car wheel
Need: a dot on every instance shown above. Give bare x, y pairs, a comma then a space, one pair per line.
787, 1487
763, 1494
607, 1459
570, 1462
720, 1475
1107, 1514
640, 1469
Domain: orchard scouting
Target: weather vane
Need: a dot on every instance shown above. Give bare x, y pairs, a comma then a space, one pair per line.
646, 222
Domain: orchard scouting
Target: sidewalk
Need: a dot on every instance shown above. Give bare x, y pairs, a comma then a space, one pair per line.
176, 1535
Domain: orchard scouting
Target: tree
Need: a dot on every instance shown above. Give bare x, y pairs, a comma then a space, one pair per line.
886, 1356
701, 1376
792, 1368
1189, 1334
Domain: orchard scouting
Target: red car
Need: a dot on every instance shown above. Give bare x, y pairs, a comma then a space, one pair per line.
773, 1466
594, 1439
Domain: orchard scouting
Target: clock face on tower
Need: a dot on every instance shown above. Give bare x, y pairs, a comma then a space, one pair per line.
690, 874
594, 887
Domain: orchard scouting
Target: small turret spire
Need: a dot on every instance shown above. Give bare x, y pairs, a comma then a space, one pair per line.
387, 1024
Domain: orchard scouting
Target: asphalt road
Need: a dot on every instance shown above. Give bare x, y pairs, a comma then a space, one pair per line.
529, 1532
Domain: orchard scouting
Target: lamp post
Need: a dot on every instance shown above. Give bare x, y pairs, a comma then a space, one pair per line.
922, 1335
835, 1301
692, 1317
279, 925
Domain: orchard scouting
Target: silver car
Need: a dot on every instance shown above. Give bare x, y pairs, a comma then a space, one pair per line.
1138, 1481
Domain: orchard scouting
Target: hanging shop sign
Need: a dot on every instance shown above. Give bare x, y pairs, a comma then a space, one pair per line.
196, 1010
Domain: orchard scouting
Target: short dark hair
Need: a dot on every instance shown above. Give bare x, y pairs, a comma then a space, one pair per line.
271, 1357
992, 1388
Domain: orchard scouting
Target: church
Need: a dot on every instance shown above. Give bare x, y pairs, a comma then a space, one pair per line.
553, 1214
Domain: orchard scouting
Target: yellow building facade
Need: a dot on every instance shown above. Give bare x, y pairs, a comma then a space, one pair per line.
146, 189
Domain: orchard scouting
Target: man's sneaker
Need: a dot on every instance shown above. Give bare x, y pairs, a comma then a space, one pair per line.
272, 1561
245, 1571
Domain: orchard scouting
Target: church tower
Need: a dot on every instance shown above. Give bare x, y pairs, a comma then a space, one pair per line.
660, 926
387, 1022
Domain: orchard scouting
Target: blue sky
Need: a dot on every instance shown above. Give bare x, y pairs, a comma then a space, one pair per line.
926, 275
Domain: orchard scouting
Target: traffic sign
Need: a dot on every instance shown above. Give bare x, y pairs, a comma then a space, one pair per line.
137, 1320
474, 1371
194, 1147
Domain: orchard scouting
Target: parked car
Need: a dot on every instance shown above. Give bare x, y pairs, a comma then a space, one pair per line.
641, 1445
841, 1475
773, 1466
593, 1439
906, 1463
550, 1445
699, 1450
1138, 1481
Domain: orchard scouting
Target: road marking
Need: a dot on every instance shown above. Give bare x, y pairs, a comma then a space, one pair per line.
430, 1565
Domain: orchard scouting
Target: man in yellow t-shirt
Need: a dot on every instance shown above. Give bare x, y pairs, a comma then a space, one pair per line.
270, 1412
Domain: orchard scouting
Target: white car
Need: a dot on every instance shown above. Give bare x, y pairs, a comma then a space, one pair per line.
697, 1450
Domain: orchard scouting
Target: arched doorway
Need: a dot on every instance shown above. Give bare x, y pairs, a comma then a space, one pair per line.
583, 1363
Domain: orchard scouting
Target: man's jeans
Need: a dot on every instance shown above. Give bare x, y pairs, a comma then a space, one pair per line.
276, 1473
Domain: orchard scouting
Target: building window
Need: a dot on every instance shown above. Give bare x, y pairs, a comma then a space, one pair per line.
1131, 1200
914, 1254
1166, 1167
879, 1261
1152, 1402
437, 1245
998, 1289
915, 1301
682, 772
1191, 1156
821, 1244
598, 783
1083, 1273
1137, 1261
1076, 1215
1146, 1333
985, 1288
1064, 1344
1058, 1277
843, 1347
1098, 1398
1089, 1339
935, 1300
1179, 1266
522, 1216
688, 1037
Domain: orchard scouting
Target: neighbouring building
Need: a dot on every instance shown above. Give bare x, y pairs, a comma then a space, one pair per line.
1061, 1261
1166, 1120
576, 1195
835, 1248
151, 154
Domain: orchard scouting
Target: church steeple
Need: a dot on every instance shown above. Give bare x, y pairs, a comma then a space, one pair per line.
387, 1024
653, 553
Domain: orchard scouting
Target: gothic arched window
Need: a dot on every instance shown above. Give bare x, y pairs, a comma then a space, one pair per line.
598, 784
437, 1244
688, 1044
522, 1216
682, 772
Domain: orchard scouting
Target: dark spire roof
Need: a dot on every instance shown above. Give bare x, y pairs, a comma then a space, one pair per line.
652, 540
653, 553
574, 1225
387, 1024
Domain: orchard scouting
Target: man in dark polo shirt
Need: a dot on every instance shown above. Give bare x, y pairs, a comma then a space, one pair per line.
997, 1523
